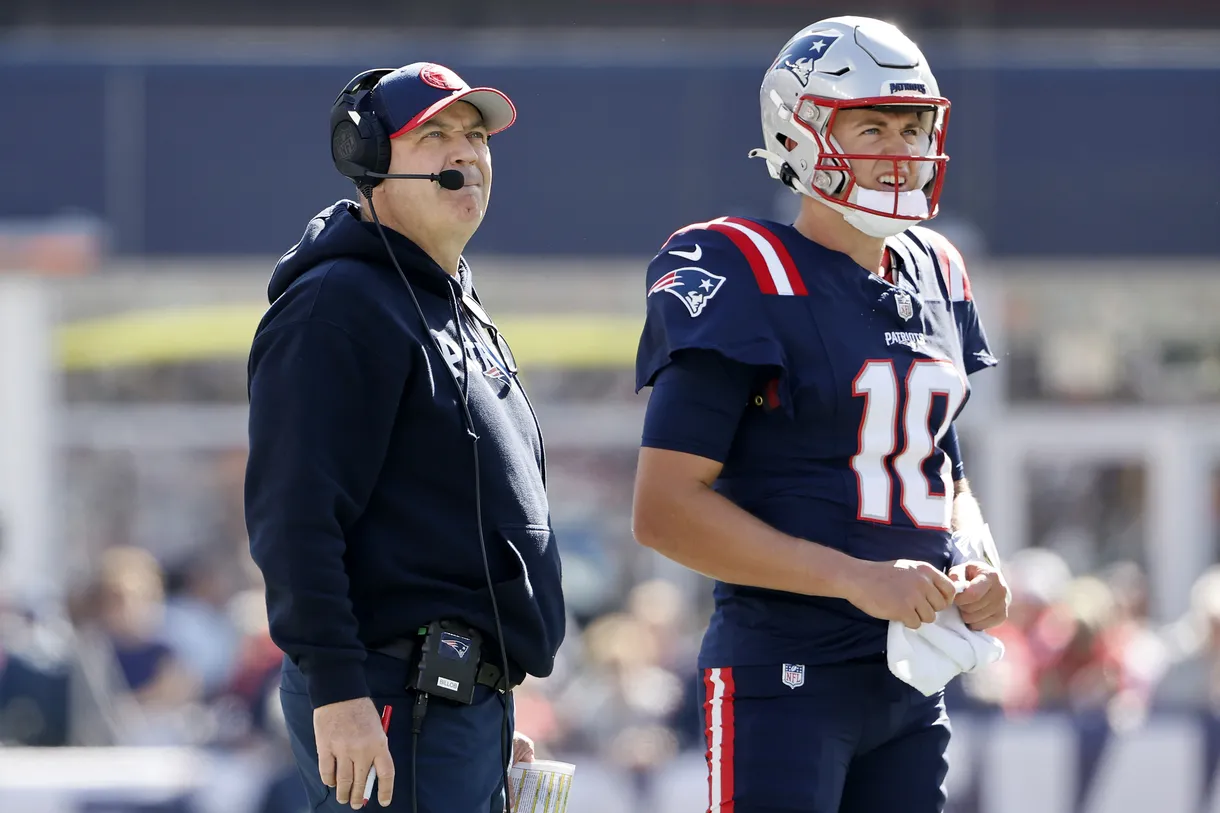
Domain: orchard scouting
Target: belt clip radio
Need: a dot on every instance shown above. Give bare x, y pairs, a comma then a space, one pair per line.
449, 661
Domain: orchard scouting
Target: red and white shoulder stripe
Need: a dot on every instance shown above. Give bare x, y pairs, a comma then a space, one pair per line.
767, 255
950, 262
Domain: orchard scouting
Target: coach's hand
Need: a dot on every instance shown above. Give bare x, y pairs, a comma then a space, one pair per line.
984, 599
350, 741
523, 748
902, 590
523, 751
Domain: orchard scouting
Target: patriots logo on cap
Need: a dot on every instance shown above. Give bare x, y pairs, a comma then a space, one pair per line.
441, 77
692, 285
803, 53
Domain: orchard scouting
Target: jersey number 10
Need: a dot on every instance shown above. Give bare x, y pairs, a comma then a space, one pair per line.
877, 468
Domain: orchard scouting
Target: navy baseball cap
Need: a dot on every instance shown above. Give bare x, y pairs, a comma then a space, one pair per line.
412, 94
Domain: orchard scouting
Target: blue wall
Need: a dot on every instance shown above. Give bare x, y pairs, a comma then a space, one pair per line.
187, 157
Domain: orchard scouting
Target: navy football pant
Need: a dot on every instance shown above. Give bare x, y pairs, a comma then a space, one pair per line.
849, 738
458, 767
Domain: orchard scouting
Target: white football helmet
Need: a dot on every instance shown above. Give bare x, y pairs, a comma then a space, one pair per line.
838, 64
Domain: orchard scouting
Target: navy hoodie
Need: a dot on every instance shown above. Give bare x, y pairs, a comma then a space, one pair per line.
360, 496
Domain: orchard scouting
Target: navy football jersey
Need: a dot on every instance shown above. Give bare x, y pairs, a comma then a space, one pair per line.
859, 380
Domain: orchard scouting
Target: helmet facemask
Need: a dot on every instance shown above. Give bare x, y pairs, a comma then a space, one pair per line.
825, 172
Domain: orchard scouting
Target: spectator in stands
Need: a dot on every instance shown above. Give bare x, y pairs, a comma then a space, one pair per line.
1192, 646
130, 603
197, 627
1140, 650
1033, 635
1088, 671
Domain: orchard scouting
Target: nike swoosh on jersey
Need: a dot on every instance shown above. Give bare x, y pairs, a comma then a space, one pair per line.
693, 256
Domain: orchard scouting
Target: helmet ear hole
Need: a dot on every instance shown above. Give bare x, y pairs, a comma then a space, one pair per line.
786, 142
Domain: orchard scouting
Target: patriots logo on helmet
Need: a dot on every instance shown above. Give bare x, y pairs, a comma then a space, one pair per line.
803, 53
692, 285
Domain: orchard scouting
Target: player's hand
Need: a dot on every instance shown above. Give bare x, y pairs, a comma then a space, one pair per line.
984, 599
350, 742
523, 748
902, 590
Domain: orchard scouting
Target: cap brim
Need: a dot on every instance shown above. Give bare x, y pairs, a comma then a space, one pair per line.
496, 109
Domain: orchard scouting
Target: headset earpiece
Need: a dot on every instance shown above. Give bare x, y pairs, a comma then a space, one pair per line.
358, 142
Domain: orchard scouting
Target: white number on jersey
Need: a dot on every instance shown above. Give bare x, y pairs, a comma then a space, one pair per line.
875, 471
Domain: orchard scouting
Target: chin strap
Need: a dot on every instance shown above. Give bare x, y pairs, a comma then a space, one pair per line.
912, 203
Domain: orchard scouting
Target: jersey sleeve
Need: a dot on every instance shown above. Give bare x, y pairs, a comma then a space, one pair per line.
951, 446
696, 404
976, 352
702, 295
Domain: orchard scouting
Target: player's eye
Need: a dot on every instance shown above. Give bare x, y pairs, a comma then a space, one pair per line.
481, 136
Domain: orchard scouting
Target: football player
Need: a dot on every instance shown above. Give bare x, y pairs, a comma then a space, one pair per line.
799, 446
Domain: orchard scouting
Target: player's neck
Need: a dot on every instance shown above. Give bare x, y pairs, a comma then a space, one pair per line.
826, 227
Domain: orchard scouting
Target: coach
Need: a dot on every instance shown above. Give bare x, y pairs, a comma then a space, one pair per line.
396, 486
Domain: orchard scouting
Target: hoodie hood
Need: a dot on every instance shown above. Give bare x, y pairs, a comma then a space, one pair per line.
337, 232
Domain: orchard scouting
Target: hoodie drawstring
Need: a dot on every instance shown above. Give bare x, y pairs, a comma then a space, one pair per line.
461, 331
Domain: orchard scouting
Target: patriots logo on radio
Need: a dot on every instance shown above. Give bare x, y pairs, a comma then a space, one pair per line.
460, 646
803, 53
692, 285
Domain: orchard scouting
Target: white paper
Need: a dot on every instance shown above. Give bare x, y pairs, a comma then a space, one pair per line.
541, 786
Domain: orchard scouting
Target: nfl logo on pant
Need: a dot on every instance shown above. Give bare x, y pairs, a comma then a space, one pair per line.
794, 675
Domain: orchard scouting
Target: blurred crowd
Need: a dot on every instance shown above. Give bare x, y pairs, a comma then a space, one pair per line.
154, 653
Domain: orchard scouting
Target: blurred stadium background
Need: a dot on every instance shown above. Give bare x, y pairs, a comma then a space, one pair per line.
156, 158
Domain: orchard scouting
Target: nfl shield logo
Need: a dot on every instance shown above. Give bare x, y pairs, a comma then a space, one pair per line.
903, 300
794, 675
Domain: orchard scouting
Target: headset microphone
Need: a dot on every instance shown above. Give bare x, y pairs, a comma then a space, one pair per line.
451, 179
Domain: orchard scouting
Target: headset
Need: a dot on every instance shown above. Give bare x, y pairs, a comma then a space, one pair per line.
359, 144
360, 149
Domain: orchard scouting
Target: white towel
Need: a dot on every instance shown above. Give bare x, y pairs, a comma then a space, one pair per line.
929, 657
932, 655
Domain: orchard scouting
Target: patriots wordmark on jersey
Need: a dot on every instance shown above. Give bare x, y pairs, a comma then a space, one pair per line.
860, 378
